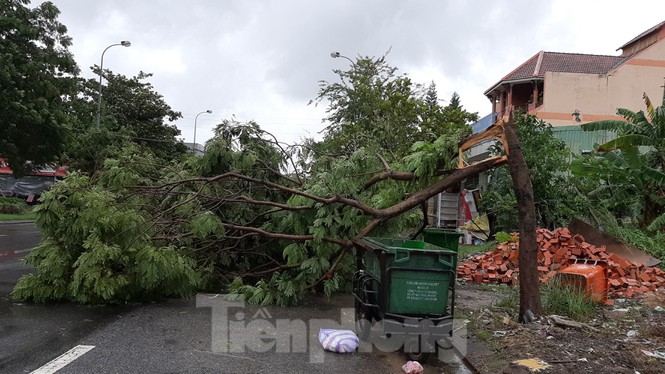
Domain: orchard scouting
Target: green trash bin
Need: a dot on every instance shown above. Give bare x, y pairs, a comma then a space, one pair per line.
443, 238
415, 277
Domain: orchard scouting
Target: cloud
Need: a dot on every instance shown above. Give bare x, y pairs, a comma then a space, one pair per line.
263, 59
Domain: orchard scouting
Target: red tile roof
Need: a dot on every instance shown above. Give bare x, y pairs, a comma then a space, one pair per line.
542, 62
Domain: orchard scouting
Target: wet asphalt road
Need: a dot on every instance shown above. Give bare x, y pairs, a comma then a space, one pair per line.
168, 337
31, 335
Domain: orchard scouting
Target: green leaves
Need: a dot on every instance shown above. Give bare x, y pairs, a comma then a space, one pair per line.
37, 79
96, 247
373, 107
207, 224
631, 165
554, 190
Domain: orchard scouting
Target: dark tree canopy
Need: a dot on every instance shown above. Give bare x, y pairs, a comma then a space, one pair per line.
36, 82
132, 112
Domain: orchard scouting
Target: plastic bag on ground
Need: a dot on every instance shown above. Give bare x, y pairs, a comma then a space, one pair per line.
412, 367
340, 341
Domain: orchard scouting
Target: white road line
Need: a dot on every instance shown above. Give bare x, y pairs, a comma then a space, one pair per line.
64, 359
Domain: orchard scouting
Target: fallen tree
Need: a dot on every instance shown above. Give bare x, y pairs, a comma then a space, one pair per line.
249, 217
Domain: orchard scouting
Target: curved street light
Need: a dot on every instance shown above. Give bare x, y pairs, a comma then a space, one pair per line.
338, 55
124, 43
196, 119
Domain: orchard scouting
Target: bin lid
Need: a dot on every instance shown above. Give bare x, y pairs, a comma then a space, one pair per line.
436, 231
392, 245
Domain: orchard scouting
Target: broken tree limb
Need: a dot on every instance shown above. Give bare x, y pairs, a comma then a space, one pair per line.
565, 322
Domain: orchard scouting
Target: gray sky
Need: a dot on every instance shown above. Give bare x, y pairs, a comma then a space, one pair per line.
262, 60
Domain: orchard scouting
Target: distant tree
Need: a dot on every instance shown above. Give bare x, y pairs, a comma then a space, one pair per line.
375, 108
36, 82
371, 107
455, 101
438, 120
132, 112
432, 97
133, 105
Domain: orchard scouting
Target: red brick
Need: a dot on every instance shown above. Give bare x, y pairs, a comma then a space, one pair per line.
615, 282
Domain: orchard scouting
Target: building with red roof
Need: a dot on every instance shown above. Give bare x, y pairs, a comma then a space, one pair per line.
573, 88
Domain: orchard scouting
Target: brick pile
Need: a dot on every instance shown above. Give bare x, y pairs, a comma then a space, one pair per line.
555, 248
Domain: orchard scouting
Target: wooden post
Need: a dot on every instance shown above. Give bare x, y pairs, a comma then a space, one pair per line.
528, 247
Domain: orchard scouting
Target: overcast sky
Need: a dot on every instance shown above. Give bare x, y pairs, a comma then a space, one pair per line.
262, 60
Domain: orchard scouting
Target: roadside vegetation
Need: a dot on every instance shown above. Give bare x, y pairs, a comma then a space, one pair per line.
15, 209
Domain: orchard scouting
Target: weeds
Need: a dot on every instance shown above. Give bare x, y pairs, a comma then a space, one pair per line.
566, 300
469, 250
511, 300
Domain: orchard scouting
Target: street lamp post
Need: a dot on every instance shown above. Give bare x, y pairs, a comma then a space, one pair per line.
196, 119
124, 43
338, 55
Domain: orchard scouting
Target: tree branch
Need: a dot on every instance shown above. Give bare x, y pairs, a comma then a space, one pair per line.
276, 235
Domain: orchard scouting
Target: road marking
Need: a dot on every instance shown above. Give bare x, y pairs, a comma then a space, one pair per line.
64, 359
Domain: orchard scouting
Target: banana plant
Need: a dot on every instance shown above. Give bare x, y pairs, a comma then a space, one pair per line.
631, 166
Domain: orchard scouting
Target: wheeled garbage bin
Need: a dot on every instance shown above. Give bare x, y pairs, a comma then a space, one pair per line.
408, 288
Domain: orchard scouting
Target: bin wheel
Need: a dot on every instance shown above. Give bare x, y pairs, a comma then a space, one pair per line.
363, 321
414, 352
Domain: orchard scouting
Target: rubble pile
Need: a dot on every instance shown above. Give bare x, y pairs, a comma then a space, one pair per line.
555, 249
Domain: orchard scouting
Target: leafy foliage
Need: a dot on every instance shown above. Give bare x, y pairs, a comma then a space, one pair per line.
503, 237
36, 83
133, 113
375, 108
13, 205
631, 167
251, 216
555, 194
104, 252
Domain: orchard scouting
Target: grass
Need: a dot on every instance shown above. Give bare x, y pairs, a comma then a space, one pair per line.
510, 301
15, 209
18, 217
567, 300
556, 298
467, 250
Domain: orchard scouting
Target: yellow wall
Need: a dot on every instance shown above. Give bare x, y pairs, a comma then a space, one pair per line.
598, 97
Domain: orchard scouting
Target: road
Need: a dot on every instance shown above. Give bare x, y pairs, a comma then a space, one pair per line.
173, 336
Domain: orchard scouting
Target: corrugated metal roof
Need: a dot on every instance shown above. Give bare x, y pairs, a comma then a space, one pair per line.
578, 140
483, 123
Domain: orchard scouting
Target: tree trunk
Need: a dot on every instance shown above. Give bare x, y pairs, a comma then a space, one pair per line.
528, 247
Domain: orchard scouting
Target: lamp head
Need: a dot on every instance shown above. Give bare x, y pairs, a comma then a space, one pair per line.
576, 114
209, 111
125, 43
334, 54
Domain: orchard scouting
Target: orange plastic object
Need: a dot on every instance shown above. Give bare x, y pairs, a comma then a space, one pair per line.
587, 275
